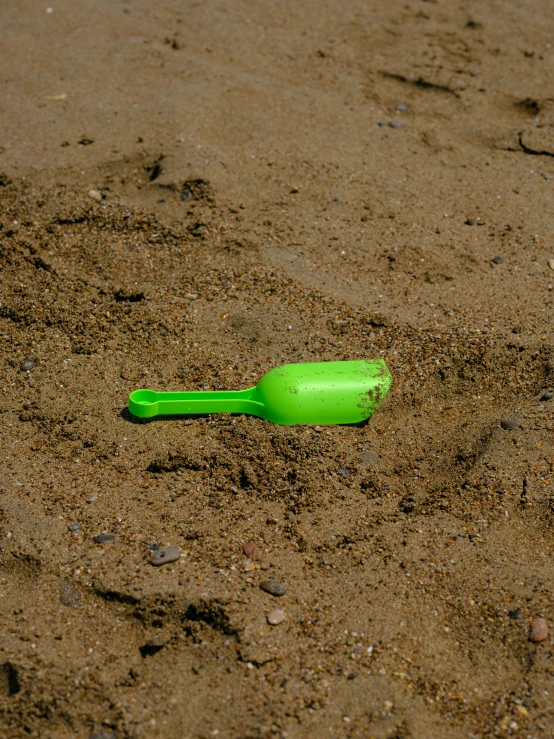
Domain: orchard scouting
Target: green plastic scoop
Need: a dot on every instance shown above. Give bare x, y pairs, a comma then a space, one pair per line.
314, 392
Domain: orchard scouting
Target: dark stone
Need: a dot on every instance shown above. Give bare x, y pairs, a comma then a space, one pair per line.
394, 124
509, 425
74, 527
273, 588
548, 395
515, 614
103, 538
26, 365
497, 260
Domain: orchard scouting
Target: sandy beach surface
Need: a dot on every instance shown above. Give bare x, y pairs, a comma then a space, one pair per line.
192, 193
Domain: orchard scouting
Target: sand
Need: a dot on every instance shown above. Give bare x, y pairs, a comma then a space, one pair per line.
191, 194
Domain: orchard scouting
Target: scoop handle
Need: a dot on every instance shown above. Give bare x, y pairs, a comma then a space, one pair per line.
150, 403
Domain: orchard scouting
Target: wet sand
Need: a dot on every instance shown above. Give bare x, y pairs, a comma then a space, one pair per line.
190, 195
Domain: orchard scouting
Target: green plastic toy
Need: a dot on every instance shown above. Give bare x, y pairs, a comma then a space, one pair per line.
313, 392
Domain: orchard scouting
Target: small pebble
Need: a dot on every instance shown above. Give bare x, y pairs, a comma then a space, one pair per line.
539, 630
369, 458
69, 594
103, 538
548, 395
402, 108
497, 260
74, 527
345, 471
164, 556
249, 566
394, 124
265, 565
26, 365
506, 423
273, 587
95, 195
249, 548
551, 263
102, 735
276, 617
515, 614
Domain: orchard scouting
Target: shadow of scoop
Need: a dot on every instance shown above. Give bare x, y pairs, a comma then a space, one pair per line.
126, 415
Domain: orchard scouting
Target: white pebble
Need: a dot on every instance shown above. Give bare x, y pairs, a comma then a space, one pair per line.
276, 617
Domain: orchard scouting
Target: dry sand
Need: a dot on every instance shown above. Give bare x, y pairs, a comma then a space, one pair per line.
192, 193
